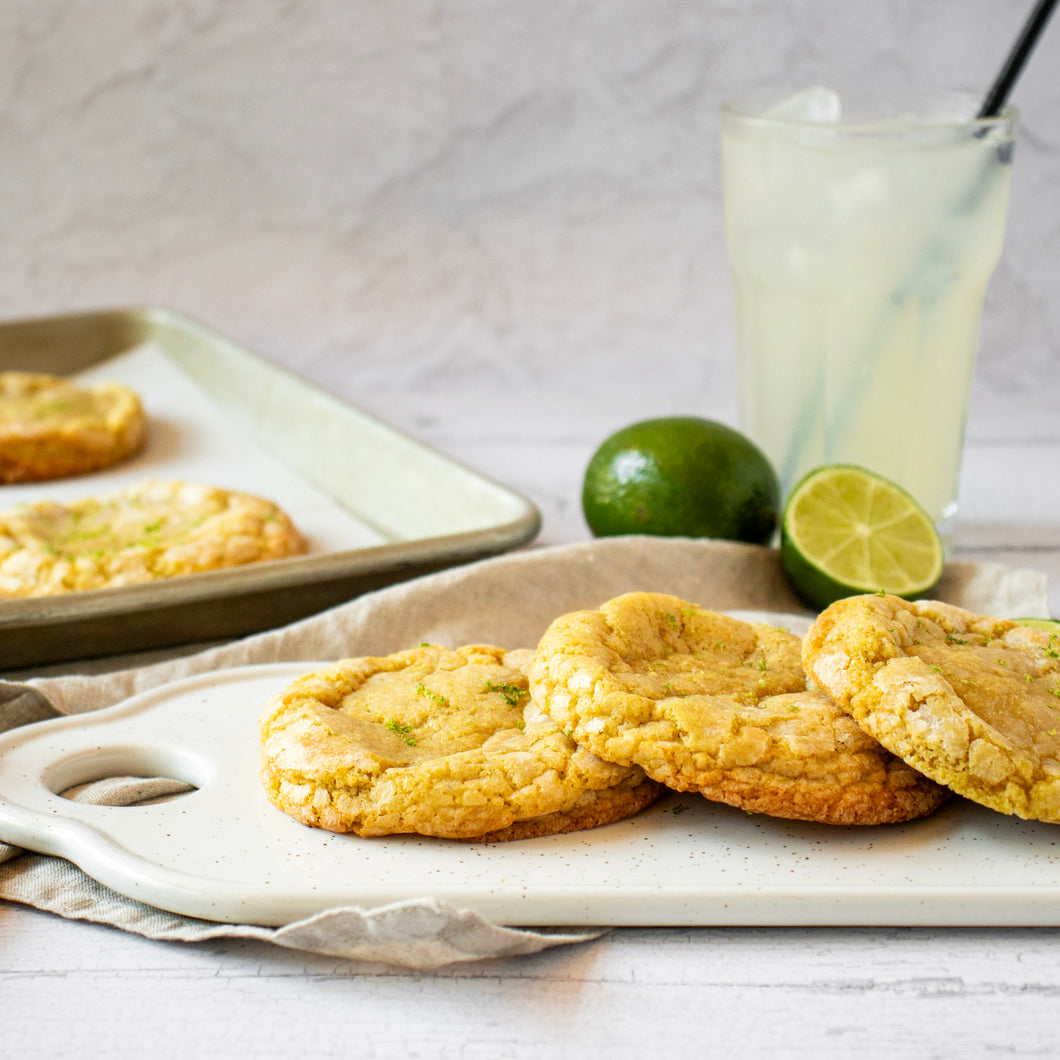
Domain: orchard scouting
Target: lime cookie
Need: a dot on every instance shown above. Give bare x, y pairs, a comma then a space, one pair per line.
971, 701
52, 428
140, 534
438, 742
708, 703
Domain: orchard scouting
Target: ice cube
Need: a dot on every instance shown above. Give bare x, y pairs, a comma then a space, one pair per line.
815, 104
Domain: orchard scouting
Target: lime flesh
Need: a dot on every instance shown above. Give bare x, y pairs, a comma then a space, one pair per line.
846, 530
1050, 625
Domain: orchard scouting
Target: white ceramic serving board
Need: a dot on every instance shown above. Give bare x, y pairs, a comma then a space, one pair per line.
223, 853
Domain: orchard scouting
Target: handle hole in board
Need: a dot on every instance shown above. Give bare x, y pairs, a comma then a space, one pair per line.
126, 775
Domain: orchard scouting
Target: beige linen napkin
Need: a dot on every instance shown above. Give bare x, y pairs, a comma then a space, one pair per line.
508, 601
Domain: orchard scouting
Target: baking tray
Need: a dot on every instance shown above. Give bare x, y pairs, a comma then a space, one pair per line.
417, 510
223, 853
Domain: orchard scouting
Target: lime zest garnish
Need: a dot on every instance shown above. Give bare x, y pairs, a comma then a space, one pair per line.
512, 693
400, 730
423, 690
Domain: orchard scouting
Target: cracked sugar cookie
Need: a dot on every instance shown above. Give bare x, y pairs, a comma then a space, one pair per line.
439, 742
51, 427
969, 700
143, 533
708, 703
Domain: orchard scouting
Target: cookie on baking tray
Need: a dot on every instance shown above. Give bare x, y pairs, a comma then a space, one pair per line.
154, 530
971, 701
439, 742
708, 703
51, 427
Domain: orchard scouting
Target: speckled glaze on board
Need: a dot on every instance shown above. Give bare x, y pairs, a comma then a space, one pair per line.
222, 853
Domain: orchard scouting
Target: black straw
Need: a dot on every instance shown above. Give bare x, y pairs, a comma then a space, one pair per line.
1021, 50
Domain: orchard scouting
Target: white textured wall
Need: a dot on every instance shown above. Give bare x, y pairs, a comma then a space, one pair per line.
396, 193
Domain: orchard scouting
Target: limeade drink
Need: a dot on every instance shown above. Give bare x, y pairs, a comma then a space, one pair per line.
861, 248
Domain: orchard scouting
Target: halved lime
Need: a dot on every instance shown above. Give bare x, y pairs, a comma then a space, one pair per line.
846, 530
1050, 625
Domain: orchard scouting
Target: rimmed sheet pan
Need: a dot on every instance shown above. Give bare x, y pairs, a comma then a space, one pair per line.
378, 506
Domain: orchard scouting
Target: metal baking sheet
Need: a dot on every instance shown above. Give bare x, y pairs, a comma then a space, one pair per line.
377, 506
223, 853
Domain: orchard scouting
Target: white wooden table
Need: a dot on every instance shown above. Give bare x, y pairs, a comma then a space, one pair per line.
72, 988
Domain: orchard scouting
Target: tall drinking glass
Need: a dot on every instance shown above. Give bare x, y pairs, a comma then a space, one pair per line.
861, 242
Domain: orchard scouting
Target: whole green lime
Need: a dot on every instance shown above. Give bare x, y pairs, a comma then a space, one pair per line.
681, 476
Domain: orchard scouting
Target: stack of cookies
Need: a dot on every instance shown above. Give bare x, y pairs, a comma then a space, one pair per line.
882, 712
